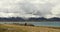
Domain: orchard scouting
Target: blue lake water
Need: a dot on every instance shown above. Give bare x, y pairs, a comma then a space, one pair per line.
53, 24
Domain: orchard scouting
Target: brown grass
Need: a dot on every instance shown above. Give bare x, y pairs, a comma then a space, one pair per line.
17, 28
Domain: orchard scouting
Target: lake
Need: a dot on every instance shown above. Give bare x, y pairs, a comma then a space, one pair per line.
53, 24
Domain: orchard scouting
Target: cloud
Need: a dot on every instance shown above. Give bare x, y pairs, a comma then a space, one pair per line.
29, 8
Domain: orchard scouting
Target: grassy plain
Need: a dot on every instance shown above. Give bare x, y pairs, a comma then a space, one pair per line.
18, 28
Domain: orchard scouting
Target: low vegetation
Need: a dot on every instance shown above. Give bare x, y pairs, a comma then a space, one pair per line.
18, 28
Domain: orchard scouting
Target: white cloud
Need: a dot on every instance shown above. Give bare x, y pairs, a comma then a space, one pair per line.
30, 8
16, 15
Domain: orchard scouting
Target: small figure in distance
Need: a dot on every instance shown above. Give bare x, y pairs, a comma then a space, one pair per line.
25, 24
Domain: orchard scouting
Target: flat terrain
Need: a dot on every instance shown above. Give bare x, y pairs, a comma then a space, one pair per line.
18, 28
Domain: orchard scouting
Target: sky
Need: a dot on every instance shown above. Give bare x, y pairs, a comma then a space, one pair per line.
30, 8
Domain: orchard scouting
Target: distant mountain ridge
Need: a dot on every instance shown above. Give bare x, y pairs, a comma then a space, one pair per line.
29, 19
12, 19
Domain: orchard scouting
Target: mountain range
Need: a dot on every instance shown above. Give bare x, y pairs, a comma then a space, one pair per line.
29, 19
